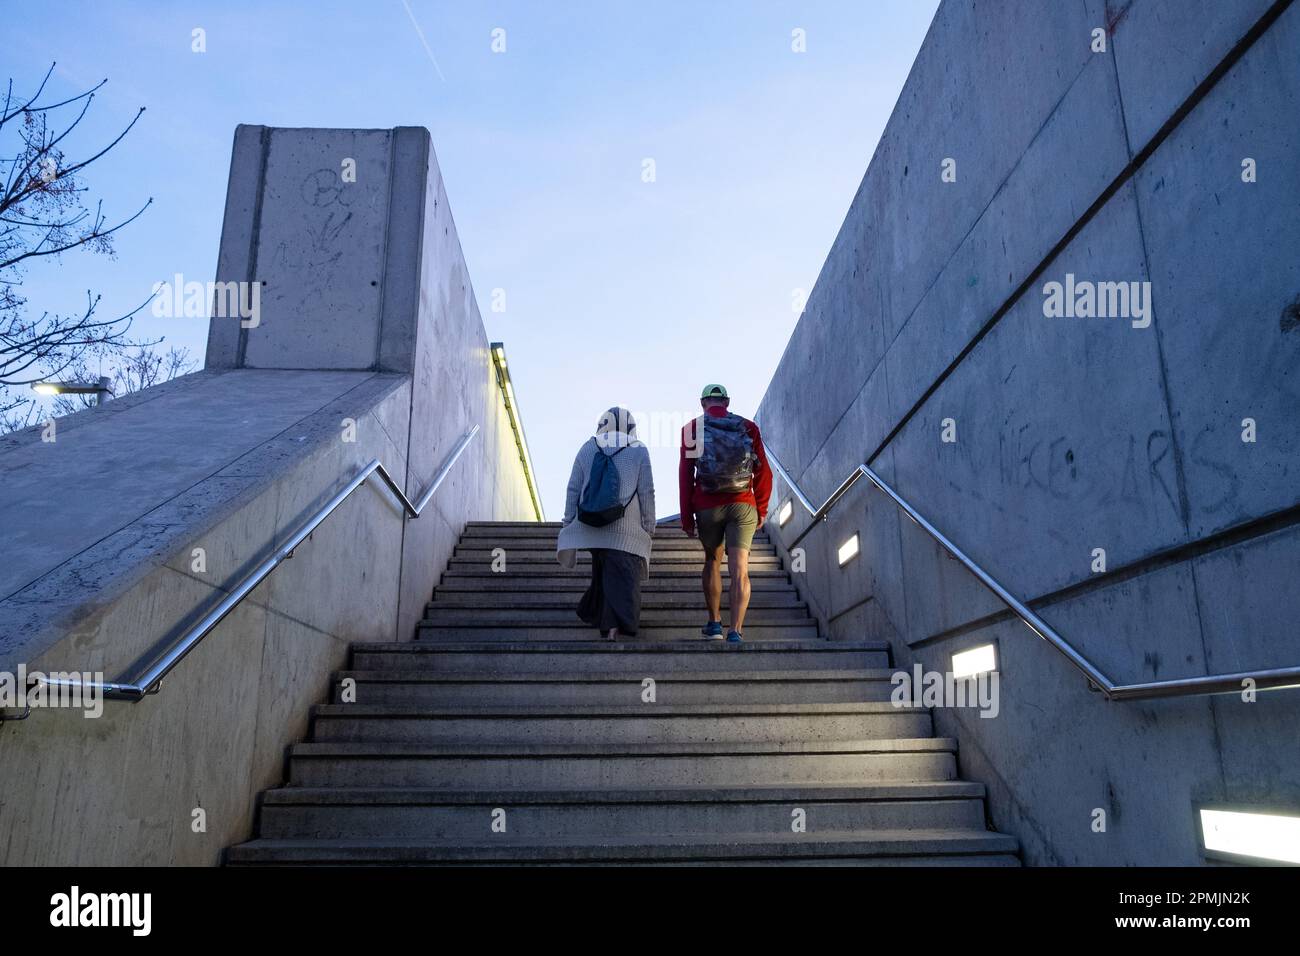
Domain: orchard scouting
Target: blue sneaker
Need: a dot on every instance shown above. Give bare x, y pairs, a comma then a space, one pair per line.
733, 637
712, 631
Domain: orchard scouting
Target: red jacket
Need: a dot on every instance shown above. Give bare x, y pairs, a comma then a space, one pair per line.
694, 499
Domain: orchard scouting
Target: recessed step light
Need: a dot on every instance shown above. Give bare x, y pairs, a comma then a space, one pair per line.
784, 514
1265, 836
975, 660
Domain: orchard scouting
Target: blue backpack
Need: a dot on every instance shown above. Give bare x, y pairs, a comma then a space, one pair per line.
600, 503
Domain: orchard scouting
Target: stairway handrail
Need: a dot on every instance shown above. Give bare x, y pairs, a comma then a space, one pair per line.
147, 683
1177, 687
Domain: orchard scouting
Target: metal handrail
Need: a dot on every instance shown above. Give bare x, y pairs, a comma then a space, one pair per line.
147, 683
1177, 687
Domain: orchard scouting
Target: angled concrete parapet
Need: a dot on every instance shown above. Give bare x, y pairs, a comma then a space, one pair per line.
348, 235
367, 343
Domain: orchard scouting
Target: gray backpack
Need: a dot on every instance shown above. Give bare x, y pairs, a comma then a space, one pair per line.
726, 461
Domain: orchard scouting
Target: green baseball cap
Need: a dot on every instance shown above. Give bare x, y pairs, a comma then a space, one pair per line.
714, 391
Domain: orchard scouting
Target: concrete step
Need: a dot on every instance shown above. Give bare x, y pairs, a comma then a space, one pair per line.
882, 847
551, 529
684, 546
644, 659
479, 558
437, 689
578, 766
550, 568
507, 703
504, 611
547, 576
682, 588
472, 527
622, 724
502, 628
568, 599
369, 813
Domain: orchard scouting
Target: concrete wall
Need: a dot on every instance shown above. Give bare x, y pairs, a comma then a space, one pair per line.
1074, 434
368, 318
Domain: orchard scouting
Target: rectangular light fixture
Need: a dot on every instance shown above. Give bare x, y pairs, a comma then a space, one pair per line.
1265, 836
784, 514
975, 660
848, 549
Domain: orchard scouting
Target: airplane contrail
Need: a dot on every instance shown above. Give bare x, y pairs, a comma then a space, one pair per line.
420, 33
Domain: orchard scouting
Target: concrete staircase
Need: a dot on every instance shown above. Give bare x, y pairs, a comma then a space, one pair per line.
506, 713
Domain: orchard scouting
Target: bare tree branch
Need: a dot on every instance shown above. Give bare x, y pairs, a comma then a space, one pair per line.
44, 213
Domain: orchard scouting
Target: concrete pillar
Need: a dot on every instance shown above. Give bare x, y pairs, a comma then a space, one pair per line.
323, 232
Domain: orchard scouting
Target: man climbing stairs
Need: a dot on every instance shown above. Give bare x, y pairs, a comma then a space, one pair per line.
506, 734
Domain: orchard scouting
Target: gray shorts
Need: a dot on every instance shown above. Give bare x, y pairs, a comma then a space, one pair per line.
734, 523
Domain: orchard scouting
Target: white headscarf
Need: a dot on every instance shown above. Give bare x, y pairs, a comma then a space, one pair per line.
616, 428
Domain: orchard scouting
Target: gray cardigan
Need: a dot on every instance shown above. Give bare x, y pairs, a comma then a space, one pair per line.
629, 533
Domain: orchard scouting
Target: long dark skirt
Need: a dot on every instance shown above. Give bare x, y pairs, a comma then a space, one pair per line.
614, 597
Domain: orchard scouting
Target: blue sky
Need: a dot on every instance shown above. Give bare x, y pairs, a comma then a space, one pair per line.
617, 291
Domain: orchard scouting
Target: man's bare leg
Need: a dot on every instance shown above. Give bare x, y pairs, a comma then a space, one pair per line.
738, 561
711, 578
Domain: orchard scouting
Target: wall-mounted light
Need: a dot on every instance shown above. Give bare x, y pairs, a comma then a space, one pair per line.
1263, 836
102, 390
849, 550
975, 660
784, 514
